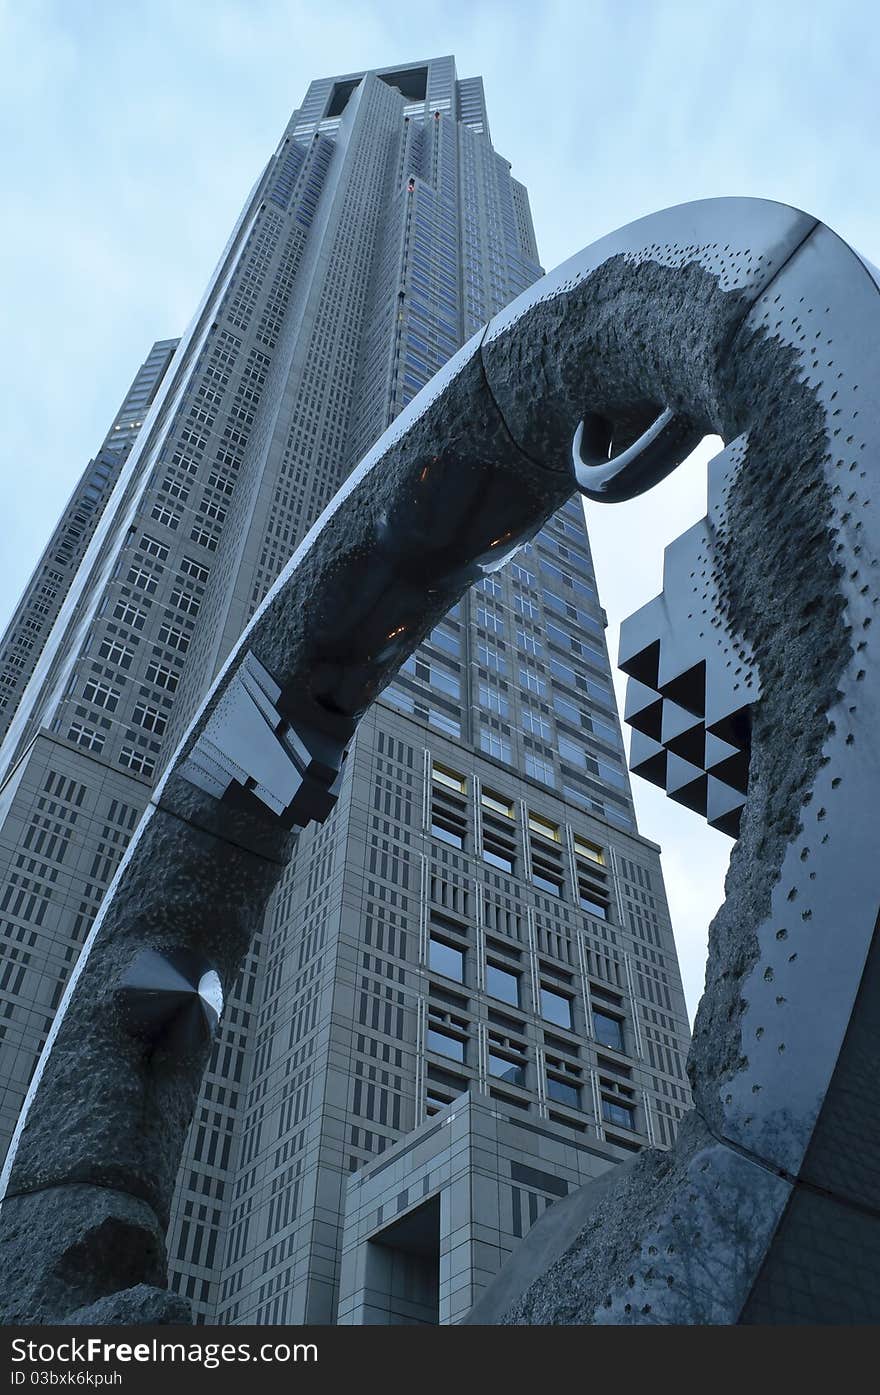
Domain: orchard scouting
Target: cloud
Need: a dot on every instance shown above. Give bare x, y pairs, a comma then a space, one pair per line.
133, 134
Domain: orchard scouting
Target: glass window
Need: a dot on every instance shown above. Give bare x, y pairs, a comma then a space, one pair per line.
445, 1045
584, 848
442, 775
490, 658
532, 682
501, 983
448, 835
564, 1093
442, 721
446, 959
567, 709
495, 745
497, 803
493, 700
620, 1114
608, 1030
597, 908
507, 1070
443, 639
499, 860
543, 826
537, 724
545, 883
555, 1007
540, 769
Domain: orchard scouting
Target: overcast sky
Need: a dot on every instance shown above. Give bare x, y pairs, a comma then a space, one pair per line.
133, 130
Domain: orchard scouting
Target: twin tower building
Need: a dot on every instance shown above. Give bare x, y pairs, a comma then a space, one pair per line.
465, 999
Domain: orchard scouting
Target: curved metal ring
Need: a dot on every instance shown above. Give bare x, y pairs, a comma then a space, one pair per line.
656, 453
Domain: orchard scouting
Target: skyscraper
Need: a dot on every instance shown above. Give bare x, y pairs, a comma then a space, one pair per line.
480, 913
36, 612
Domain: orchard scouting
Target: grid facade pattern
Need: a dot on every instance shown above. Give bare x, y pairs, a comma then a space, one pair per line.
479, 911
38, 609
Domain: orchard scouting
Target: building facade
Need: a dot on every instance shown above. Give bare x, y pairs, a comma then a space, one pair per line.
479, 915
22, 643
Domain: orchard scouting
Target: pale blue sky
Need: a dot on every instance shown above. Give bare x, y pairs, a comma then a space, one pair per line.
133, 130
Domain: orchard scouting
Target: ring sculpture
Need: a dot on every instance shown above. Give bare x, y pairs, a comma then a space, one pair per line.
753, 697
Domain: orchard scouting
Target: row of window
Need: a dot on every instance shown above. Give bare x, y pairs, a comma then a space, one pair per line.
539, 851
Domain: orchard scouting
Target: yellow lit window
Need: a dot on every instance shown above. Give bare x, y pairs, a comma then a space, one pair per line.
444, 776
497, 804
544, 827
590, 850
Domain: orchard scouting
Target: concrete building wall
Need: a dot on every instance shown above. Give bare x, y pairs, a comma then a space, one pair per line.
484, 844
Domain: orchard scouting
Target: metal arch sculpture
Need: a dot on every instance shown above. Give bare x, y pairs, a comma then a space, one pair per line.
739, 317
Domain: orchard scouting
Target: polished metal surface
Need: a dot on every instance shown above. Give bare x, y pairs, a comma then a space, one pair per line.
754, 699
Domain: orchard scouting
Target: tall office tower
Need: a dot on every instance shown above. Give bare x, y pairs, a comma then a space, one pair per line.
466, 988
37, 611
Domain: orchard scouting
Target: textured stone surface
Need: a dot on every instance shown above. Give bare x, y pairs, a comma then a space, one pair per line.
71, 1245
110, 1108
747, 319
141, 1304
676, 1237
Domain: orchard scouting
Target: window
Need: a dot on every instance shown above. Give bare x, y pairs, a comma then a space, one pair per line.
433, 673
162, 677
136, 760
445, 959
494, 744
442, 775
532, 682
613, 1112
608, 1030
174, 638
165, 516
185, 600
539, 768
511, 1071
562, 1092
567, 709
445, 1044
144, 581
536, 724
584, 848
154, 547
521, 573
194, 569
445, 639
555, 1007
490, 620
129, 615
150, 718
529, 644
490, 658
537, 824
496, 803
115, 653
448, 805
524, 605
493, 700
208, 540
87, 737
101, 695
501, 983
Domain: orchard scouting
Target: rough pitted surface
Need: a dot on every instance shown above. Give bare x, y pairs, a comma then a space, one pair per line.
112, 1109
71, 1245
626, 341
674, 1235
138, 1305
453, 488
780, 589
